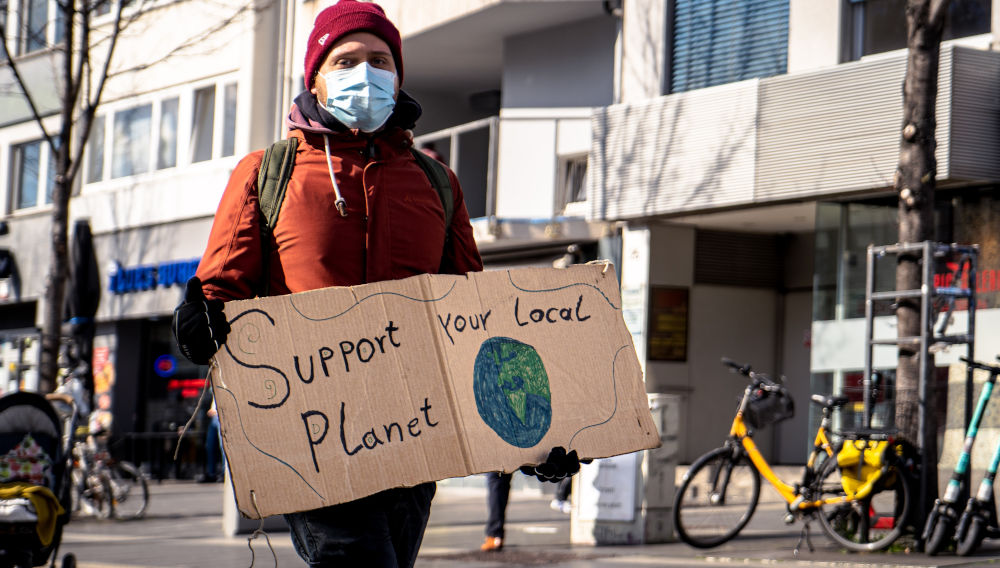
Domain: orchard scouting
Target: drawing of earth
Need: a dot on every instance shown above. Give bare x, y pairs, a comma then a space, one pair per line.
512, 391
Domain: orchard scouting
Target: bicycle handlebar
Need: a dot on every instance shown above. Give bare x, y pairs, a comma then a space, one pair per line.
977, 365
763, 380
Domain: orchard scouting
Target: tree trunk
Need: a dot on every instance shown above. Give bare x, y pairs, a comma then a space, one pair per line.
915, 184
55, 288
55, 283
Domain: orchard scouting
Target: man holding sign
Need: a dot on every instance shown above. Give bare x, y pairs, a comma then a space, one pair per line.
359, 207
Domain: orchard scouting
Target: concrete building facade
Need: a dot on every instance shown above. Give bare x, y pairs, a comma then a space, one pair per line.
732, 158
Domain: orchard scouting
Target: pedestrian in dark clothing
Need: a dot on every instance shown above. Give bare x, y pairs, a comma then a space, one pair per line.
497, 495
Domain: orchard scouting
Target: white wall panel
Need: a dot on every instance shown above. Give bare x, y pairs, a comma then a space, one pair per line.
791, 137
682, 152
526, 168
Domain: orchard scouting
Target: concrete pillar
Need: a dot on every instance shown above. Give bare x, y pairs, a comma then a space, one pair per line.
629, 499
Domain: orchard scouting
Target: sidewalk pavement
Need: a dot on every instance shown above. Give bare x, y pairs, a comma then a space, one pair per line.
183, 528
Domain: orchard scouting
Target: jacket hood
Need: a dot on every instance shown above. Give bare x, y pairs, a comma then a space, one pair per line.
306, 115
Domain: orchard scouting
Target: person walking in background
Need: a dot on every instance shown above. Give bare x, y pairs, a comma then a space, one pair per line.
561, 502
358, 208
213, 446
497, 496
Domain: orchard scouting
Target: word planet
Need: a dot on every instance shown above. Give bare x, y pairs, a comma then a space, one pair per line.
512, 391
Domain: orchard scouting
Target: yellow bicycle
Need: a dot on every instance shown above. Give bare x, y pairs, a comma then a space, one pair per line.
862, 506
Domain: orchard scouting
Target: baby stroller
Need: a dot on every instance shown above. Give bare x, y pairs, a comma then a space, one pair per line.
35, 453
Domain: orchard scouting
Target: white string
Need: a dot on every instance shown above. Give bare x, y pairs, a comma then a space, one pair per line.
259, 532
201, 397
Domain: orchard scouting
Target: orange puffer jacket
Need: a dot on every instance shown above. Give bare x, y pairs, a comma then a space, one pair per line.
394, 226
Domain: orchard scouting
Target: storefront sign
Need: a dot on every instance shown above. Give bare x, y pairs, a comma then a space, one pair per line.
126, 280
331, 395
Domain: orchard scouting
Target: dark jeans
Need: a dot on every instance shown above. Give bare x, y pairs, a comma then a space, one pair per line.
213, 448
383, 530
498, 485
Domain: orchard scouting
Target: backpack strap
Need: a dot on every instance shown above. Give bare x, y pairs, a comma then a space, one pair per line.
438, 176
272, 181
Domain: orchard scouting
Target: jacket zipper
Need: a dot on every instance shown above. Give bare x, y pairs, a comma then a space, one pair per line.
369, 154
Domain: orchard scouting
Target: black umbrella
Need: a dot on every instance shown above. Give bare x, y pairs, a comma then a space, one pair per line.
83, 295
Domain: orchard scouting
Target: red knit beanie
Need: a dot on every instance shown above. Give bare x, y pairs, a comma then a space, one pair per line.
345, 17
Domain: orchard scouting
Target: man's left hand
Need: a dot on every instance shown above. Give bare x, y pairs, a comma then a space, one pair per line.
558, 466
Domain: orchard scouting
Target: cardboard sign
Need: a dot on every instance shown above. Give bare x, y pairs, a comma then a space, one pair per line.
331, 395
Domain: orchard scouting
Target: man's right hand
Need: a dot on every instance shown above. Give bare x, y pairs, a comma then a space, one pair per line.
200, 325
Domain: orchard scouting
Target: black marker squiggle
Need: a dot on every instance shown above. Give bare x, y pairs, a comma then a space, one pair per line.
288, 387
599, 291
614, 387
239, 419
291, 300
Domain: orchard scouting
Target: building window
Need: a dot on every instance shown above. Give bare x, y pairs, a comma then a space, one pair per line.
27, 173
877, 26
146, 138
3, 23
202, 124
95, 151
35, 17
229, 121
166, 152
131, 141
572, 183
722, 41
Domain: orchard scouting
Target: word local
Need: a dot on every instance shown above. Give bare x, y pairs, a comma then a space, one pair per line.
364, 349
317, 425
550, 315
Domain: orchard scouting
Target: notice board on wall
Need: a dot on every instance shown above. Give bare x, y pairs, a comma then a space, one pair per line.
331, 395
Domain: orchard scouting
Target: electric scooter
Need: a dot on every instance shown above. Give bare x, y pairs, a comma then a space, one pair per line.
979, 520
939, 530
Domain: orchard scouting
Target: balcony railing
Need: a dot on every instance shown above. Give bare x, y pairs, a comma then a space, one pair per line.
471, 151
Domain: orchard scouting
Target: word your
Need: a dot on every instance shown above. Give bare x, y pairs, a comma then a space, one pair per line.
461, 323
550, 315
363, 349
318, 425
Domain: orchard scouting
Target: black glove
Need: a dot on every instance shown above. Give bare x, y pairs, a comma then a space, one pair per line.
558, 466
200, 325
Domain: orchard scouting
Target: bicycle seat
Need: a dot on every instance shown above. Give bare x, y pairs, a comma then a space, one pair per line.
829, 401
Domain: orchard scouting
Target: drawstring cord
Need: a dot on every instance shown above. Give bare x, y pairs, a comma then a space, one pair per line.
340, 203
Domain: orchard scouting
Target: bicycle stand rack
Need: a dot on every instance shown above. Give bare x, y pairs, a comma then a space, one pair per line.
932, 336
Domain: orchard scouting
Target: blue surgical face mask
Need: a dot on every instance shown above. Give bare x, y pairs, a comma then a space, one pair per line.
360, 97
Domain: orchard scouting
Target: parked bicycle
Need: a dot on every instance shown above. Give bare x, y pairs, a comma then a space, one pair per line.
861, 506
979, 517
104, 486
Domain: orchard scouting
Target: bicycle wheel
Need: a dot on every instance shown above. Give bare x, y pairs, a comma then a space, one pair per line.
868, 524
90, 494
129, 491
716, 499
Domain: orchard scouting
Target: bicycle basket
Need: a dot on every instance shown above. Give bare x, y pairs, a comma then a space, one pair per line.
767, 407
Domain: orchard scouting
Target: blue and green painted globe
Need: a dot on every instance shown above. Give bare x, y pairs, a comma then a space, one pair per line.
512, 391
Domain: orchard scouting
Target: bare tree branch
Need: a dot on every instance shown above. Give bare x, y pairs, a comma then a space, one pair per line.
938, 12
190, 42
90, 107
